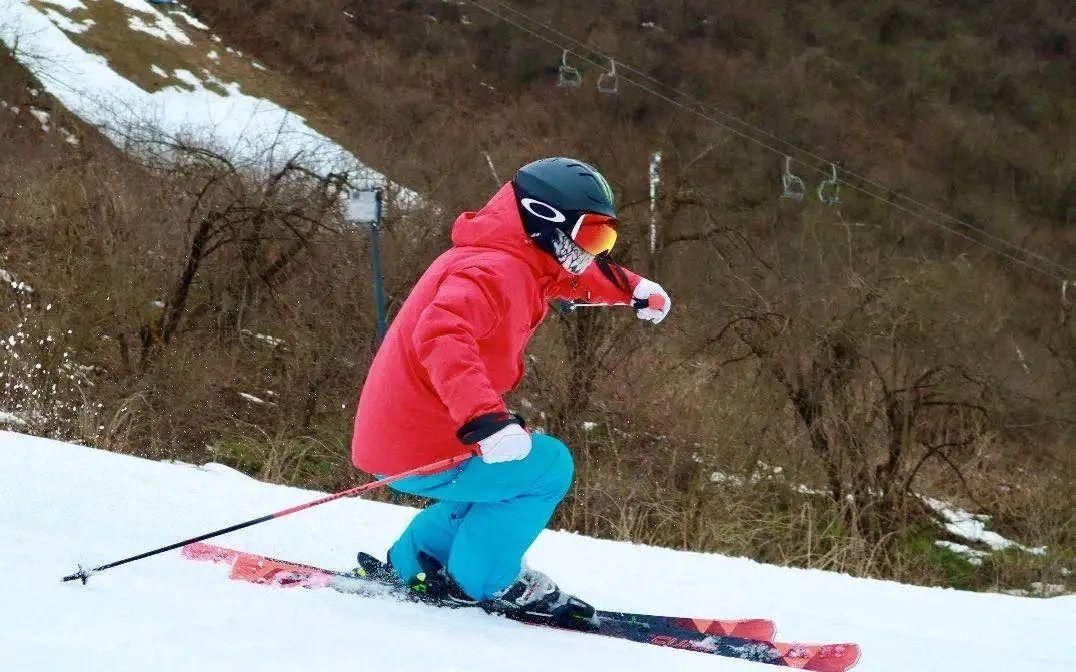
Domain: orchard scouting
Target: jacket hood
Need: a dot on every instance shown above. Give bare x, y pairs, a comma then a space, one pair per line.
499, 226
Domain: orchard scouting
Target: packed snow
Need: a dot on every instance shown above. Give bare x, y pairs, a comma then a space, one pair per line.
191, 21
65, 23
42, 117
264, 339
69, 137
64, 504
973, 555
163, 27
972, 526
255, 400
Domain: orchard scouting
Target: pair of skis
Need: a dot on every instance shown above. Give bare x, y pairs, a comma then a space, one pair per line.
746, 639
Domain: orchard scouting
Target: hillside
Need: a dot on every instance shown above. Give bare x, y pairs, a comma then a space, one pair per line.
66, 504
179, 282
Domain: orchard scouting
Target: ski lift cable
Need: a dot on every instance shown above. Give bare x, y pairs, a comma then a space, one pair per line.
1058, 270
770, 147
824, 171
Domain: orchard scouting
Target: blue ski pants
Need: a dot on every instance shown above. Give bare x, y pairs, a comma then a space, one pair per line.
486, 516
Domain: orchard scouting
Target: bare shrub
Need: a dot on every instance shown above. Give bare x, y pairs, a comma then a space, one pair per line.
42, 390
822, 366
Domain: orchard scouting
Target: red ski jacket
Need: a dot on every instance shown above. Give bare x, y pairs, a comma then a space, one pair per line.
457, 343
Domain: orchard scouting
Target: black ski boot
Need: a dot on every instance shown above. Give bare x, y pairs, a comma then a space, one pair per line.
534, 597
431, 585
372, 569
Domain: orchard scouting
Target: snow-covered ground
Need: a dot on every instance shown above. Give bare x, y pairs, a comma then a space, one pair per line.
955, 521
49, 37
62, 504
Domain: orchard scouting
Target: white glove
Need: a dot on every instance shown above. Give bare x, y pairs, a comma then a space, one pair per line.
658, 300
510, 443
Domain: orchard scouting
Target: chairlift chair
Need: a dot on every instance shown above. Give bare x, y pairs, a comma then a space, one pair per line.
794, 187
568, 76
829, 190
608, 82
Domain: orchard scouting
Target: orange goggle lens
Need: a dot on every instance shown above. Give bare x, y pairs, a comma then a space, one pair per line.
595, 233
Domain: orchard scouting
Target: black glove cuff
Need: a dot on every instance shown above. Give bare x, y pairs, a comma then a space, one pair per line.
487, 425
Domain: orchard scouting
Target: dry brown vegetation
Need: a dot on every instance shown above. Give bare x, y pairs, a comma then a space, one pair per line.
827, 362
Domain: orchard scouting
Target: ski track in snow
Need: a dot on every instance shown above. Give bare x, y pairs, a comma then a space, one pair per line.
62, 504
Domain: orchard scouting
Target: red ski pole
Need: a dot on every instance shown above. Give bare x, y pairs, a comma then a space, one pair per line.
84, 574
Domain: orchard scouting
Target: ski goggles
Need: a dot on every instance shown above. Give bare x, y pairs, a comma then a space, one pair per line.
594, 233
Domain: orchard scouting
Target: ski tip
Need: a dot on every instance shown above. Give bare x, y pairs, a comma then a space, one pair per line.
854, 655
827, 657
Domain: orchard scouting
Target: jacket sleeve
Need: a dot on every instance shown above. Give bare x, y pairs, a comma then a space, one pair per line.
468, 306
595, 286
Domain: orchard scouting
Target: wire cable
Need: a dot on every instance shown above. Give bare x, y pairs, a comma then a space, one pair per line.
795, 147
1055, 270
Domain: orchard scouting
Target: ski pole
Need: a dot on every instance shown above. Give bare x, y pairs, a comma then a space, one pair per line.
84, 574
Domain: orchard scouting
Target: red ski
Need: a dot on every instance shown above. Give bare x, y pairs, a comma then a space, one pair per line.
747, 639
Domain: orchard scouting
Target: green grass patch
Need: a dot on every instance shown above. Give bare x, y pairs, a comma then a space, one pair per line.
292, 460
942, 565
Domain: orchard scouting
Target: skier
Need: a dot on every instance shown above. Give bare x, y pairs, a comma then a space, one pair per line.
453, 350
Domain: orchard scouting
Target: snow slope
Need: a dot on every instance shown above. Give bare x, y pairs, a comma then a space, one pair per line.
61, 504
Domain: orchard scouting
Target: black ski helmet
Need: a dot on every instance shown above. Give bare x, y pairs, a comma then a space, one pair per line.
552, 194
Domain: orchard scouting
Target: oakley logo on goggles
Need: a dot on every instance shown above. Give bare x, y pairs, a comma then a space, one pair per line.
595, 233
